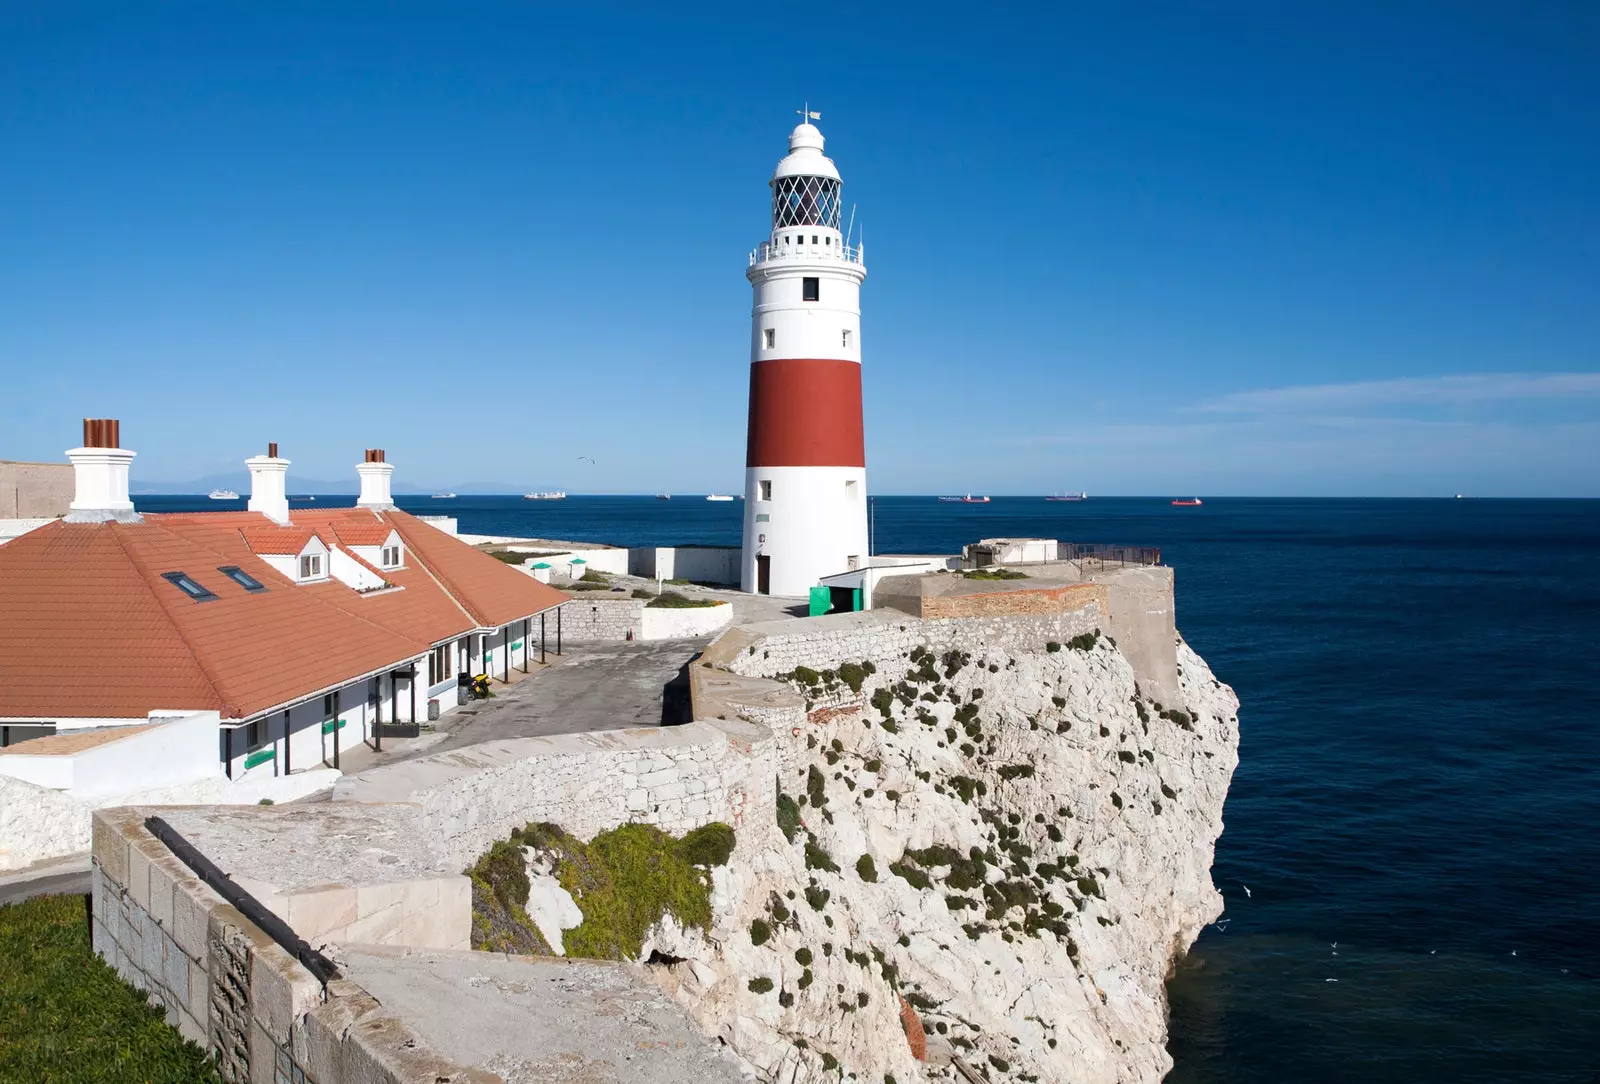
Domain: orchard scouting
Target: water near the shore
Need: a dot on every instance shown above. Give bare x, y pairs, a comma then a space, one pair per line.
1419, 777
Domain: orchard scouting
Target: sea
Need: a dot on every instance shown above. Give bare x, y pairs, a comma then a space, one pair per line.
1411, 857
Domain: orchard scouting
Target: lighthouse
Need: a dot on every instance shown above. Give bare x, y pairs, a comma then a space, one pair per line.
805, 509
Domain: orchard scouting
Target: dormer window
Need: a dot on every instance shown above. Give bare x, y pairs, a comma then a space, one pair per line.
311, 566
183, 582
391, 557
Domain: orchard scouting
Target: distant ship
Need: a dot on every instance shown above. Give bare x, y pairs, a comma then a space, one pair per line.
1068, 497
1190, 502
223, 495
663, 496
546, 495
968, 499
444, 496
718, 497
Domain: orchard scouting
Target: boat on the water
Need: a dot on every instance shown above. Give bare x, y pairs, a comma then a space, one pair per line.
546, 495
1188, 502
663, 496
223, 495
968, 499
1068, 497
718, 497
444, 496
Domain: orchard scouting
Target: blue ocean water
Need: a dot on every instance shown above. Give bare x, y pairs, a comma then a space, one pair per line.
1420, 764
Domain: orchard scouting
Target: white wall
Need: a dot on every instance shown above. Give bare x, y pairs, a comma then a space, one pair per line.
180, 750
702, 564
816, 521
662, 623
867, 578
352, 573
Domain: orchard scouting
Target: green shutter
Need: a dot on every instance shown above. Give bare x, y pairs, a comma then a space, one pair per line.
331, 725
260, 756
821, 601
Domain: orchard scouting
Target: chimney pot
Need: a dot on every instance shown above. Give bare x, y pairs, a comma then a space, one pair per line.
374, 474
272, 449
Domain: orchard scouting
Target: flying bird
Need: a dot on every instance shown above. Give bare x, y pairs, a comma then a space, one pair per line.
1246, 890
585, 459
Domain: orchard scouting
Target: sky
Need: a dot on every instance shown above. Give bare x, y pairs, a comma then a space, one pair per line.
1323, 249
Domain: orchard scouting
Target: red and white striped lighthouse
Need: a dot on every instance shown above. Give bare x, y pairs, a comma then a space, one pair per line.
805, 513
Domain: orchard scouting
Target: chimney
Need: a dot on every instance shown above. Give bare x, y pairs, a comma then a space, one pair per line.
101, 471
375, 482
269, 492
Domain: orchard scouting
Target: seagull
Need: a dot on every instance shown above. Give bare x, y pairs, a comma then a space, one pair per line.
1433, 952
1330, 980
1333, 944
1246, 890
1513, 952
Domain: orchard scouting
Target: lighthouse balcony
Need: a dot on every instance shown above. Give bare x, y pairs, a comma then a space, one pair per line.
801, 249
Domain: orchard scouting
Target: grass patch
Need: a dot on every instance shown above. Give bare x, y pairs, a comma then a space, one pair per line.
994, 574
65, 1016
672, 600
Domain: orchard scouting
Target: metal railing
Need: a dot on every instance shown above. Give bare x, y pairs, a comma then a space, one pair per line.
1104, 554
770, 251
246, 904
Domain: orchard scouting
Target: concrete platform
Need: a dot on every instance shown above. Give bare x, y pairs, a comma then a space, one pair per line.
541, 1021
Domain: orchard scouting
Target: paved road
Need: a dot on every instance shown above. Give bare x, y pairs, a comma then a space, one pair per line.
73, 881
596, 687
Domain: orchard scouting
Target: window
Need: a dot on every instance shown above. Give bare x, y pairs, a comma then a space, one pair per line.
813, 239
853, 562
255, 735
391, 557
810, 288
183, 582
765, 488
846, 341
242, 578
826, 242
771, 338
439, 668
311, 566
850, 487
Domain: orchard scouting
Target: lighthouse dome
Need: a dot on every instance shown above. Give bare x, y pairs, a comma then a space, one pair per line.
805, 158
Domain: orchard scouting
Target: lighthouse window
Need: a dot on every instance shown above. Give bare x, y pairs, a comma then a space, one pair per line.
771, 338
813, 239
846, 338
810, 289
766, 490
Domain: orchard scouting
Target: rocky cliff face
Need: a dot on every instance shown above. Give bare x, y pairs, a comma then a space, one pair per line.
1006, 847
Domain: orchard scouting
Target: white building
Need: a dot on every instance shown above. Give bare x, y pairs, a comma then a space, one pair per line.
805, 466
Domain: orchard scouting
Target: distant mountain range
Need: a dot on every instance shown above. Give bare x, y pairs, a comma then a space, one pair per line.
239, 482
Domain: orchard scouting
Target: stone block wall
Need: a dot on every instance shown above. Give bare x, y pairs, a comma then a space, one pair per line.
229, 988
677, 778
1015, 603
35, 490
603, 617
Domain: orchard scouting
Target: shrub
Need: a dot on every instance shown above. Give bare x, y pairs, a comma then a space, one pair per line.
817, 897
788, 816
993, 574
708, 845
805, 979
504, 869
1059, 701
1052, 647
1000, 1063
910, 874
1125, 756
802, 956
852, 675
1015, 771
873, 765
806, 676
1168, 791
815, 785
760, 932
672, 600
883, 700
817, 858
759, 986
866, 869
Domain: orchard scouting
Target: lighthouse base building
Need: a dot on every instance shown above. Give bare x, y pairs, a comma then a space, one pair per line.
805, 464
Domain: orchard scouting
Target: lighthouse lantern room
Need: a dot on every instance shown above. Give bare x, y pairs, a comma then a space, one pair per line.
805, 512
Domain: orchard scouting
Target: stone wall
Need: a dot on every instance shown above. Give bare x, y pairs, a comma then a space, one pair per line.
229, 988
35, 490
678, 778
603, 617
1038, 600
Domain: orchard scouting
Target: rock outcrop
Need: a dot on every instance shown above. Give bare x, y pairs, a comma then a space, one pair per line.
1007, 844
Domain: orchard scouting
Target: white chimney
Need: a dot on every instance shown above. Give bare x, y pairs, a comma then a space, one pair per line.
375, 481
269, 493
101, 471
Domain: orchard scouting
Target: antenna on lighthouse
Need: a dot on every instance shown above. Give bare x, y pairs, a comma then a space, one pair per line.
852, 227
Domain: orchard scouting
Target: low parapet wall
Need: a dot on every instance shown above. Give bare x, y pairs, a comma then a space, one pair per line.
677, 778
606, 618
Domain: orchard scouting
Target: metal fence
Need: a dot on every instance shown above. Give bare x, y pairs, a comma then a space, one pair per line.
1108, 555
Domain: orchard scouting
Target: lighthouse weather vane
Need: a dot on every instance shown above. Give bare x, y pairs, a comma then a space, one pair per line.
807, 115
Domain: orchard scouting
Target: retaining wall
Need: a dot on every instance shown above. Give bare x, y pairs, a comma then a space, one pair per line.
677, 778
702, 564
228, 987
665, 623
609, 617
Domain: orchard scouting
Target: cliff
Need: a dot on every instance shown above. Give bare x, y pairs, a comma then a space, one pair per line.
990, 843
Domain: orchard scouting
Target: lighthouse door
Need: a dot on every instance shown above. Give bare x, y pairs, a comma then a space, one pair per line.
763, 575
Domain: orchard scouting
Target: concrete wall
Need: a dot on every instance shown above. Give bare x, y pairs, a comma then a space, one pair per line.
178, 750
605, 617
1142, 619
35, 490
678, 778
663, 623
228, 987
700, 564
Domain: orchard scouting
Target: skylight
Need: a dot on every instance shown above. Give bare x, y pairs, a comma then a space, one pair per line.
242, 578
183, 582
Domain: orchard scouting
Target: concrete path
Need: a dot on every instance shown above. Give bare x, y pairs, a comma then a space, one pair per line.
538, 1020
69, 876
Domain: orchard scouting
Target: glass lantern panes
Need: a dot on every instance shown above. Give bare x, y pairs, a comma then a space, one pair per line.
805, 201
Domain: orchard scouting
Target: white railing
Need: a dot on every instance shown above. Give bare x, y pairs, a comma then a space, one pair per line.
770, 251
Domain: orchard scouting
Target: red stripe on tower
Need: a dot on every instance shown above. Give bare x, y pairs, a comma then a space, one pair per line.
805, 412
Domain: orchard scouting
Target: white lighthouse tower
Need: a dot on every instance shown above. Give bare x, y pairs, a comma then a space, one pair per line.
805, 512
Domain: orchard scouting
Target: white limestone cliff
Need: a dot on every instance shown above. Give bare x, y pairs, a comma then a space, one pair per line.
1071, 788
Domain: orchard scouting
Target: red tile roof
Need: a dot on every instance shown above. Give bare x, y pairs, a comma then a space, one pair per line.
371, 531
92, 630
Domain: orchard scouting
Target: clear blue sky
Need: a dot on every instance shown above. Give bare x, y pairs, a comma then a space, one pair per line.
1246, 248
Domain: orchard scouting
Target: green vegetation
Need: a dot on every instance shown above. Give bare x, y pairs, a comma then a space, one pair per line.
1125, 756
817, 858
788, 816
1052, 647
1085, 642
591, 576
624, 881
1015, 771
993, 574
854, 674
759, 986
815, 784
671, 600
866, 869
65, 1016
802, 956
760, 932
